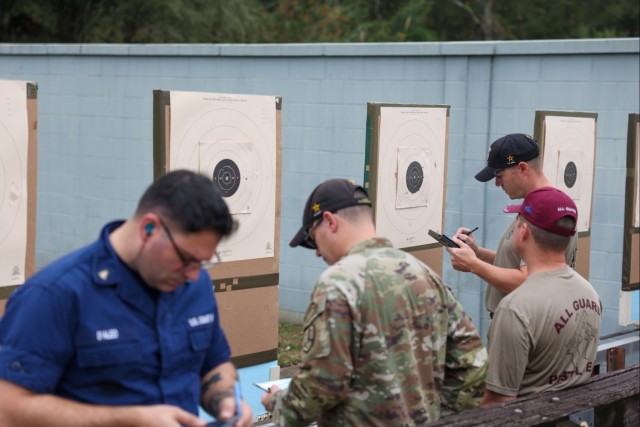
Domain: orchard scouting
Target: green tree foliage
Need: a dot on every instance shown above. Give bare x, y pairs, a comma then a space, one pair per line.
133, 21
529, 20
309, 21
351, 21
570, 19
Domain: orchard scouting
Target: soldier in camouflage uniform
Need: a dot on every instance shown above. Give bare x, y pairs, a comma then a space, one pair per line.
385, 342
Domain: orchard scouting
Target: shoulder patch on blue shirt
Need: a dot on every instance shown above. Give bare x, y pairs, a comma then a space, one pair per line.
203, 319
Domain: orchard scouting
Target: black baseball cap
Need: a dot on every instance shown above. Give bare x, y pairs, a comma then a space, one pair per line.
331, 195
506, 152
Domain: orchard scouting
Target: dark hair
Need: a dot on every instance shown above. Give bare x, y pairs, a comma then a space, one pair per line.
190, 201
551, 241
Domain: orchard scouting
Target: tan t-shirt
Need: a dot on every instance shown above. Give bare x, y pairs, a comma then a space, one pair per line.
506, 257
544, 335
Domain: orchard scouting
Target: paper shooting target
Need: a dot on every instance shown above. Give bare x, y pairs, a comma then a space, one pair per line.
231, 138
414, 164
226, 176
13, 182
636, 209
11, 188
568, 175
234, 169
415, 177
410, 175
569, 150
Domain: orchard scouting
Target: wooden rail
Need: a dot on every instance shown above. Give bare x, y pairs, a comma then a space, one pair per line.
609, 399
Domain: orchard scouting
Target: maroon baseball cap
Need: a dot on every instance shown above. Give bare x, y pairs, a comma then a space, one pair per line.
544, 207
331, 195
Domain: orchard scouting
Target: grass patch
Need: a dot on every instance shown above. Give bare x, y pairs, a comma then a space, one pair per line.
289, 344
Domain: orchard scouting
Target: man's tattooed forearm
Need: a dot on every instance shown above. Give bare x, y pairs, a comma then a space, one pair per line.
204, 388
211, 404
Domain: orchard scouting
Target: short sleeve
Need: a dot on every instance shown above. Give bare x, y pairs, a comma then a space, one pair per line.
219, 351
36, 341
509, 343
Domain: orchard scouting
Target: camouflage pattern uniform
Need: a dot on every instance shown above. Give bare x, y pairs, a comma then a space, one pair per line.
385, 343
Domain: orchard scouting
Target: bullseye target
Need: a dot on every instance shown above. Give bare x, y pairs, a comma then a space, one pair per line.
231, 138
13, 182
569, 151
414, 177
570, 164
410, 175
230, 165
226, 176
570, 174
413, 163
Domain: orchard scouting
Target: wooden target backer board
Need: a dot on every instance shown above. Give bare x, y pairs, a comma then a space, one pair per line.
18, 183
568, 146
631, 241
230, 137
405, 175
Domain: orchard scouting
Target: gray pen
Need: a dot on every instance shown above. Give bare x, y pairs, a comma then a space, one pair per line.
470, 231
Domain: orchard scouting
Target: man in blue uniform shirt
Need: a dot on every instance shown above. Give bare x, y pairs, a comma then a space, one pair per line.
125, 331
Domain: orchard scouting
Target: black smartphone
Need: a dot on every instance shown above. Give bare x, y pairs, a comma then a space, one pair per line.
443, 239
228, 423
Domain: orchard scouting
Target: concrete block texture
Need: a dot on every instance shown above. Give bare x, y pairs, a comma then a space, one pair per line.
95, 129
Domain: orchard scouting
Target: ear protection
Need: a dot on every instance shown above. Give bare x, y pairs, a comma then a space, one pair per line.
148, 229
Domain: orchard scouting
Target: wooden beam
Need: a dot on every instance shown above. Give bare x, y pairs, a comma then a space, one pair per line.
614, 398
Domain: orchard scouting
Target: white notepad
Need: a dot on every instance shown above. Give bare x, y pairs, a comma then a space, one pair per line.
282, 383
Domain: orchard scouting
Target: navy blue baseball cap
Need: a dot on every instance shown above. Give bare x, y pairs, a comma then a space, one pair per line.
506, 152
331, 195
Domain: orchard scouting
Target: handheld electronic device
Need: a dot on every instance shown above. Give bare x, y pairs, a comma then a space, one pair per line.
228, 423
443, 239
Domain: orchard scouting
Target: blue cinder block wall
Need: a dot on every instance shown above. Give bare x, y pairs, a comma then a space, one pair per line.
95, 129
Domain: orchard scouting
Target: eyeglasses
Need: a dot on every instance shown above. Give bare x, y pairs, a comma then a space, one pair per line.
189, 261
499, 172
308, 240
